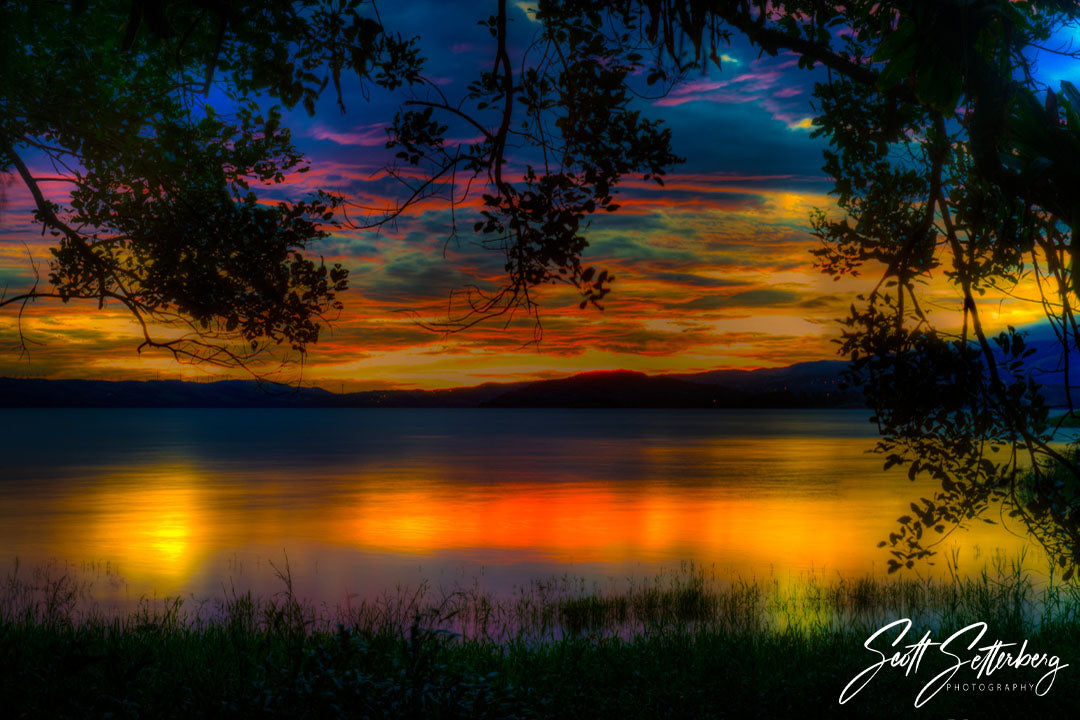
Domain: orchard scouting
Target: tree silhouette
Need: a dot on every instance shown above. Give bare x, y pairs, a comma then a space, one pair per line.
164, 216
950, 159
555, 132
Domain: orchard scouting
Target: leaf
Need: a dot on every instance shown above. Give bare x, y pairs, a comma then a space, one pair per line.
897, 40
1071, 93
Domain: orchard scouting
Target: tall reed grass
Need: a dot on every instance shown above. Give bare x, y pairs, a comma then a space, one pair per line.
682, 643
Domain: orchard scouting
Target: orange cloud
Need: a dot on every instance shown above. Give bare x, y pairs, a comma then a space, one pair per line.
712, 271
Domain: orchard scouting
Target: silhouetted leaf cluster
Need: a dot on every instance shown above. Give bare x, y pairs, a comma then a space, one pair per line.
949, 159
555, 134
153, 113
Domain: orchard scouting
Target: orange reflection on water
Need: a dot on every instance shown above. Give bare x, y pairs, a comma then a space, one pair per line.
746, 532
585, 523
748, 506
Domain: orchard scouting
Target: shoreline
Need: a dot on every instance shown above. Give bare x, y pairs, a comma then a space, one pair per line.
675, 646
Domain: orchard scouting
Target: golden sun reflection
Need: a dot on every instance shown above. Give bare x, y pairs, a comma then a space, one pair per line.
152, 525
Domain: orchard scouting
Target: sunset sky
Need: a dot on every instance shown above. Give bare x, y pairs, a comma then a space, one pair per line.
711, 271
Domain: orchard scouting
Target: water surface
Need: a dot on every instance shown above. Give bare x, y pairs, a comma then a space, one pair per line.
360, 500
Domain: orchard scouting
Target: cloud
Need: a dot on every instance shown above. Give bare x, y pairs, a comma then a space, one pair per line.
689, 279
528, 9
363, 136
788, 92
766, 297
823, 301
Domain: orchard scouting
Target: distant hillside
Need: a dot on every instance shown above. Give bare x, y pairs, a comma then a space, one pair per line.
17, 392
619, 388
1047, 364
818, 377
802, 385
792, 387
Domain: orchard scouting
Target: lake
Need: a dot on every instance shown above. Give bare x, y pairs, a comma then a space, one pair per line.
360, 501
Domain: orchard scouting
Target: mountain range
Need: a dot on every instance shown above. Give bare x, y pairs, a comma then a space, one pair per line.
812, 384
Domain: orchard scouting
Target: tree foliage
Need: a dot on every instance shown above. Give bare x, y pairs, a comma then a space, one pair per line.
554, 132
166, 217
164, 214
950, 160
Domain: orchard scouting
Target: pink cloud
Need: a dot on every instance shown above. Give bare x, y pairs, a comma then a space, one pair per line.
717, 97
364, 135
699, 86
758, 80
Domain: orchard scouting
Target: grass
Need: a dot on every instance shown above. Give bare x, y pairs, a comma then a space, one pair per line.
679, 644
